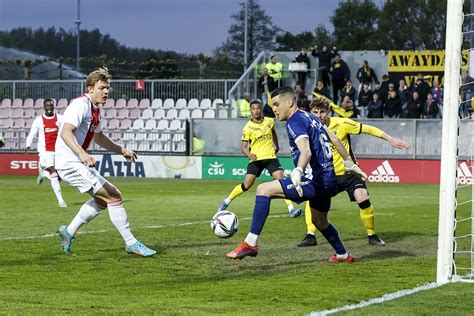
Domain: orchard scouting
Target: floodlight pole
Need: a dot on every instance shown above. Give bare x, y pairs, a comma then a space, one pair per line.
245, 33
78, 42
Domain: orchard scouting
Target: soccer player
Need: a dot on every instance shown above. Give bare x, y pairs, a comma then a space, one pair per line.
46, 127
82, 124
260, 144
353, 185
309, 144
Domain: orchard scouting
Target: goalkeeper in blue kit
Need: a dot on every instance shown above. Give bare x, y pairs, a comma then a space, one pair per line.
310, 147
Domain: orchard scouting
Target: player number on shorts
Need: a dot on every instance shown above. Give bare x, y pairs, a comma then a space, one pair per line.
323, 139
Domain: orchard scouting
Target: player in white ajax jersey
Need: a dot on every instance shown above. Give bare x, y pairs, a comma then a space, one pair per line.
81, 125
46, 127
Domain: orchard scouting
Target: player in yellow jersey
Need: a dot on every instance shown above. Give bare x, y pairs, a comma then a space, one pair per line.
260, 144
354, 186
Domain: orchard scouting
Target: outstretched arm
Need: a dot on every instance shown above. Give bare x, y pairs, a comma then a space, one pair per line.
105, 142
374, 131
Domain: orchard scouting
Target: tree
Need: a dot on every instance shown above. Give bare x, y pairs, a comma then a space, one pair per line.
413, 24
323, 37
290, 42
261, 34
355, 25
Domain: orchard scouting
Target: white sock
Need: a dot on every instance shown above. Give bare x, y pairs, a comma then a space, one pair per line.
56, 187
251, 239
344, 256
227, 201
87, 212
310, 233
291, 207
119, 218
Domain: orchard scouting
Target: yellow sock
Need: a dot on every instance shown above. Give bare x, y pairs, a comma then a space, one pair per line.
309, 220
289, 204
367, 218
236, 192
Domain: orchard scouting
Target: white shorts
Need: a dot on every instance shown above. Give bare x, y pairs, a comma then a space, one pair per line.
46, 159
82, 178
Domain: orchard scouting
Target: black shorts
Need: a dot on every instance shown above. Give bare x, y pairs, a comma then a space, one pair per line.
256, 167
349, 183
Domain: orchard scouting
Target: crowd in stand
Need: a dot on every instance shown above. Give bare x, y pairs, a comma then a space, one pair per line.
369, 98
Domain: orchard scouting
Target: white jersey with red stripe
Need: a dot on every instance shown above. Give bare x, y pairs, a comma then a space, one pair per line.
46, 128
85, 117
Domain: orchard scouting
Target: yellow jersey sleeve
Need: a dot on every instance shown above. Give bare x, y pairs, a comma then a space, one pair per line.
343, 127
260, 138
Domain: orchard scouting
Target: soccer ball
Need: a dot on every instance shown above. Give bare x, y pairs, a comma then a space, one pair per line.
224, 224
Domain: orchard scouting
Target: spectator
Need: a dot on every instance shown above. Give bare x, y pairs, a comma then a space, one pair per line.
324, 61
375, 107
422, 87
301, 98
244, 106
348, 105
340, 73
366, 74
384, 87
322, 89
266, 84
348, 90
275, 69
303, 58
430, 110
393, 108
414, 106
403, 93
437, 92
365, 96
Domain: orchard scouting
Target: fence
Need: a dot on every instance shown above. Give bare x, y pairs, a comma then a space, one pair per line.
127, 89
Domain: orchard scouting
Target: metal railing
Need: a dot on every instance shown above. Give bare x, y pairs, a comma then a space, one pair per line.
126, 89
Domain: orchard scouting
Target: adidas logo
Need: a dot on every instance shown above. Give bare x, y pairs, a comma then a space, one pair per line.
384, 173
464, 173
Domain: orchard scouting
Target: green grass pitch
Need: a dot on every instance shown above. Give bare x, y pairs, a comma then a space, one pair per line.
190, 274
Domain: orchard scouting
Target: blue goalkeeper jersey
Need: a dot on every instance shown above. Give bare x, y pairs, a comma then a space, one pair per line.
304, 124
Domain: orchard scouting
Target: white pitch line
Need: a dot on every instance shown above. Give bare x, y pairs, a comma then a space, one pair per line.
378, 300
109, 230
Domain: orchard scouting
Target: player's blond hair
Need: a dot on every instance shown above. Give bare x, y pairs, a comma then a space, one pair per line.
100, 74
319, 103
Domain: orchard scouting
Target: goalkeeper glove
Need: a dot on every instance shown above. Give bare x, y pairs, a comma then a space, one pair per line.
295, 177
354, 168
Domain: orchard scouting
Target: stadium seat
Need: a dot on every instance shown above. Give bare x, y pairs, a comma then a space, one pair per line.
175, 125
5, 113
19, 123
144, 104
159, 114
150, 124
29, 103
171, 114
138, 124
29, 122
8, 123
162, 125
215, 102
184, 114
168, 104
223, 113
193, 104
132, 104
125, 124
196, 113
180, 104
209, 113
6, 103
62, 103
205, 104
148, 113
157, 103
134, 114
17, 103
122, 114
39, 103
17, 113
105, 123
29, 113
110, 113
120, 104
110, 103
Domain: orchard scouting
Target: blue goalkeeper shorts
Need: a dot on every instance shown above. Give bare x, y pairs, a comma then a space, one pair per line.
319, 196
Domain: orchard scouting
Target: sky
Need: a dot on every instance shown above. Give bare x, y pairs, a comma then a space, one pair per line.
184, 26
